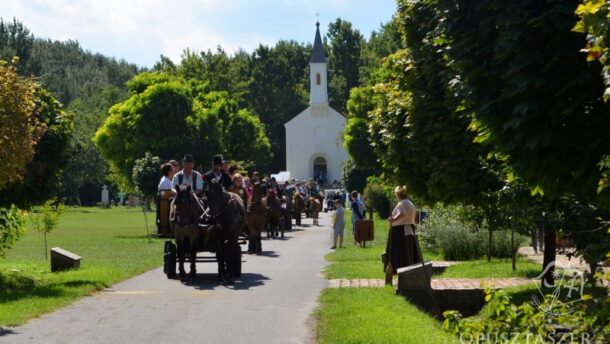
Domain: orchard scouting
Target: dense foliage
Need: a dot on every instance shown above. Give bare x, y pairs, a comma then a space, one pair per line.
42, 180
454, 232
169, 116
12, 227
594, 21
146, 175
20, 131
542, 107
87, 84
553, 318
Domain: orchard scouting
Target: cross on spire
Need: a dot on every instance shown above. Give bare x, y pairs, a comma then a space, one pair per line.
317, 17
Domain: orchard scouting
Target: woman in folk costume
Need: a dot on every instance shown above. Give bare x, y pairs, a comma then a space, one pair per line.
402, 249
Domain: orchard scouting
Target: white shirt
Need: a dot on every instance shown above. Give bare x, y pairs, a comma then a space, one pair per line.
404, 213
188, 181
165, 184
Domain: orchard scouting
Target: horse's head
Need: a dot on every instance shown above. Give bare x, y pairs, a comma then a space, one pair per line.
185, 211
183, 194
215, 193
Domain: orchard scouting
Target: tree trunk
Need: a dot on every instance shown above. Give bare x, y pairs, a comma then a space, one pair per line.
489, 243
46, 247
513, 251
548, 279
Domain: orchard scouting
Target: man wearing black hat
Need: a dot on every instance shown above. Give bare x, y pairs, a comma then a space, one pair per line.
188, 176
218, 175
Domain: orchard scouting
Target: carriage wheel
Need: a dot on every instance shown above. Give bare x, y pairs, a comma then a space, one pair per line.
169, 260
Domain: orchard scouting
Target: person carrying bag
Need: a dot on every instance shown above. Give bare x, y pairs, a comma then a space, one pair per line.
358, 213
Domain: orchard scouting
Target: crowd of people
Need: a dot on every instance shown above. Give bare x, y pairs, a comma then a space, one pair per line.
233, 179
402, 249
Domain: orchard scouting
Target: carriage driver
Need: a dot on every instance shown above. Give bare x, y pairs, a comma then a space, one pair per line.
218, 174
188, 176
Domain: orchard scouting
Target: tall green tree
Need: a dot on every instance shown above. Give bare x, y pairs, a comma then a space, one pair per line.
542, 107
381, 44
363, 161
42, 179
168, 116
154, 119
279, 91
344, 60
19, 131
15, 40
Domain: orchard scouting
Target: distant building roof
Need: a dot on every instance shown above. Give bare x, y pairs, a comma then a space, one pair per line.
318, 55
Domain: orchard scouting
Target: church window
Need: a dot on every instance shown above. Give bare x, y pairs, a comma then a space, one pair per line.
318, 78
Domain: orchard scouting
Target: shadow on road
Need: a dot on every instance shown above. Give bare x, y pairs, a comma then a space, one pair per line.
270, 254
5, 331
208, 281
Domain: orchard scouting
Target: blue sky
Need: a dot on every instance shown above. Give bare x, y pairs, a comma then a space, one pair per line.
139, 31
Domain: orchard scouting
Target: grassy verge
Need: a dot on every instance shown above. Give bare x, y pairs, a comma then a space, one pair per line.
374, 315
354, 262
114, 247
362, 262
497, 268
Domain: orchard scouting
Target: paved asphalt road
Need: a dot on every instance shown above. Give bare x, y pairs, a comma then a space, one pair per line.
272, 302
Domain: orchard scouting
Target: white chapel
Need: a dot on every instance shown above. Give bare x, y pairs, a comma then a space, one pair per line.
314, 144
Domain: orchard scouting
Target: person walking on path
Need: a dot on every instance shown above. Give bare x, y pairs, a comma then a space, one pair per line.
338, 224
401, 244
357, 213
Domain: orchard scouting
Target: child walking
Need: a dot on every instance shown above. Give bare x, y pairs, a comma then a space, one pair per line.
338, 224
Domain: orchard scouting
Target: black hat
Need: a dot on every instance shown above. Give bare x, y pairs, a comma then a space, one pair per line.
188, 158
218, 160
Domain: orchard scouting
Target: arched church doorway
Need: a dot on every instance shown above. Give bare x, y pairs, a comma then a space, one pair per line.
320, 170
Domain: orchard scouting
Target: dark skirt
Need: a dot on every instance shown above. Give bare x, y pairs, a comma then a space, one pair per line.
401, 250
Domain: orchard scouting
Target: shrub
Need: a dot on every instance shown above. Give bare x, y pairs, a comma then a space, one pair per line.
447, 230
12, 227
557, 318
375, 196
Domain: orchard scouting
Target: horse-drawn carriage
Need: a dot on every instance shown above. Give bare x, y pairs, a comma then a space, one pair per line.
214, 225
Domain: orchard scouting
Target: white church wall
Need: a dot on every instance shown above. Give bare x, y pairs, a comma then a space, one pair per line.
315, 132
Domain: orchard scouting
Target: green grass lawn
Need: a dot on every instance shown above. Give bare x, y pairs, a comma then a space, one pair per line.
362, 262
353, 262
377, 315
497, 268
374, 315
113, 245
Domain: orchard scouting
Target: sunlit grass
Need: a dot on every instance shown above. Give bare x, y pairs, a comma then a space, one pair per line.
113, 244
374, 315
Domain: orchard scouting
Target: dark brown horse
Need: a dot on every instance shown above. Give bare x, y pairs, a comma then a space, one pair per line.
227, 211
298, 204
185, 212
274, 209
256, 218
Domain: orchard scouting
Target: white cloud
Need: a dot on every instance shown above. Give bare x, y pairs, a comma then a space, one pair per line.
141, 30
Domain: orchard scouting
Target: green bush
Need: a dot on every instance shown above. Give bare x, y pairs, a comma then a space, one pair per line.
585, 319
12, 227
446, 230
375, 196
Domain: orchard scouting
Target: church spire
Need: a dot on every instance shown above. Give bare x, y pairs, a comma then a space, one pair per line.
318, 55
318, 94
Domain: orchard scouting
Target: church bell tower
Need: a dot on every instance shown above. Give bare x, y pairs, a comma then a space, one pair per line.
318, 72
